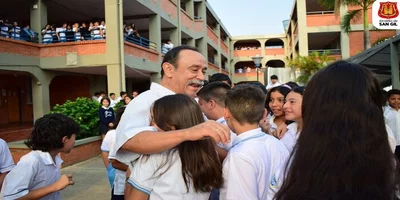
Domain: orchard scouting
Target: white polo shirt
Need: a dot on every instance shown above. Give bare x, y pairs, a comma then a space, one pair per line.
290, 137
136, 119
6, 160
228, 145
252, 165
168, 186
392, 119
35, 170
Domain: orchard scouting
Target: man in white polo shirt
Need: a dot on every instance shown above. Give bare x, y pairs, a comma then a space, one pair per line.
182, 71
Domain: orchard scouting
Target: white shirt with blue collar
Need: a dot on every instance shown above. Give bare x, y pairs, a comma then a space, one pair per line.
291, 136
136, 119
35, 170
233, 135
252, 165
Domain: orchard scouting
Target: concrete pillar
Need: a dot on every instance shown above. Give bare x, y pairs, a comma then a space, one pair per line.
38, 17
262, 42
218, 58
190, 8
344, 37
202, 46
394, 62
115, 46
292, 38
155, 30
40, 97
155, 77
302, 28
174, 36
191, 42
179, 22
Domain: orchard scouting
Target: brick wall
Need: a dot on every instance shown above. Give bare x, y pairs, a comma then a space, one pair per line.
140, 52
170, 8
357, 39
78, 154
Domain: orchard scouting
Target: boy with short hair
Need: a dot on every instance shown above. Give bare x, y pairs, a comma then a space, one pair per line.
37, 174
392, 116
255, 158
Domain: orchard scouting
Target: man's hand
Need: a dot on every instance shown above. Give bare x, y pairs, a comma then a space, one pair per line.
219, 132
265, 126
280, 131
64, 181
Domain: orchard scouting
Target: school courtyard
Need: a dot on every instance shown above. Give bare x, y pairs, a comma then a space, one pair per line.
90, 181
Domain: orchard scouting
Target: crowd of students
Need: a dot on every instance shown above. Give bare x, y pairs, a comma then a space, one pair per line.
183, 139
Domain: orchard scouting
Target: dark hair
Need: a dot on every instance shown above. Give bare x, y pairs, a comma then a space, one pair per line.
49, 130
201, 166
298, 90
255, 83
283, 90
135, 91
105, 98
122, 93
172, 56
274, 77
343, 150
112, 94
102, 92
393, 92
220, 77
120, 111
246, 103
96, 93
292, 84
215, 91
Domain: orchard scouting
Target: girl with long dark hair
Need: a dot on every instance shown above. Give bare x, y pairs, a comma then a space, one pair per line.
343, 150
188, 171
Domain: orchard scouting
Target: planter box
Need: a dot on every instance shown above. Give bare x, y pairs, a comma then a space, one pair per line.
84, 149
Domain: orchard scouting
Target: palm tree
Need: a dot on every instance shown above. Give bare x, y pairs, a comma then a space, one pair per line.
364, 6
310, 64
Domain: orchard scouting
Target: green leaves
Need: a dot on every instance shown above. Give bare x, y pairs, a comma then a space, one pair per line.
350, 16
310, 64
84, 111
119, 105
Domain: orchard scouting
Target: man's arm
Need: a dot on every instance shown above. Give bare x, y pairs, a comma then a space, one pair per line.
149, 142
118, 165
63, 182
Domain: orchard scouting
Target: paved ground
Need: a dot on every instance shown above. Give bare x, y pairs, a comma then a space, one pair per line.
90, 181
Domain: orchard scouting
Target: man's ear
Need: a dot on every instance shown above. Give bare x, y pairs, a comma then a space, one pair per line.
168, 69
64, 139
227, 114
212, 103
265, 113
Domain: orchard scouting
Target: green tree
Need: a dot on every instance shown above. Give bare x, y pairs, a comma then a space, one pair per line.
310, 64
84, 111
352, 15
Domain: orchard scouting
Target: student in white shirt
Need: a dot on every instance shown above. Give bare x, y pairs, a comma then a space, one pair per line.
392, 116
255, 159
6, 161
113, 100
274, 82
188, 171
292, 108
37, 174
116, 171
343, 151
183, 70
212, 104
121, 97
275, 101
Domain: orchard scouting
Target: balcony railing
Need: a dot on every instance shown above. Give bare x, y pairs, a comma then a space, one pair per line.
330, 51
320, 12
17, 34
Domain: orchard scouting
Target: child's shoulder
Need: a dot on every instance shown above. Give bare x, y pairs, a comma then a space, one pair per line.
31, 158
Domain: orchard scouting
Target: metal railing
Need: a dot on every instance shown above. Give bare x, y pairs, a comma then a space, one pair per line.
17, 34
321, 12
141, 41
330, 51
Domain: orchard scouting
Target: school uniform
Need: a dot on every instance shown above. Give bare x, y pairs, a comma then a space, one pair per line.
35, 170
290, 137
106, 116
136, 119
228, 145
392, 119
252, 165
6, 160
170, 185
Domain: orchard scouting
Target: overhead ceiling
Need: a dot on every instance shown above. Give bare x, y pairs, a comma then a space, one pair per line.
129, 72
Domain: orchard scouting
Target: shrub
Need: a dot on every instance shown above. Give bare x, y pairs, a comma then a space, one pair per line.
119, 105
85, 113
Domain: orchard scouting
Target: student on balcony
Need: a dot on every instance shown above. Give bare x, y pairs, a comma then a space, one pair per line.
15, 31
27, 34
84, 30
61, 33
96, 31
4, 28
47, 33
76, 30
103, 28
166, 47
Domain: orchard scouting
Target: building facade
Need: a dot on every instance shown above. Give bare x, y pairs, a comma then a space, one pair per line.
34, 76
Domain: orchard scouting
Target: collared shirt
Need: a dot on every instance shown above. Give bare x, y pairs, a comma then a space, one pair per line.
290, 137
252, 165
146, 178
392, 119
228, 145
136, 119
270, 85
35, 170
6, 160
